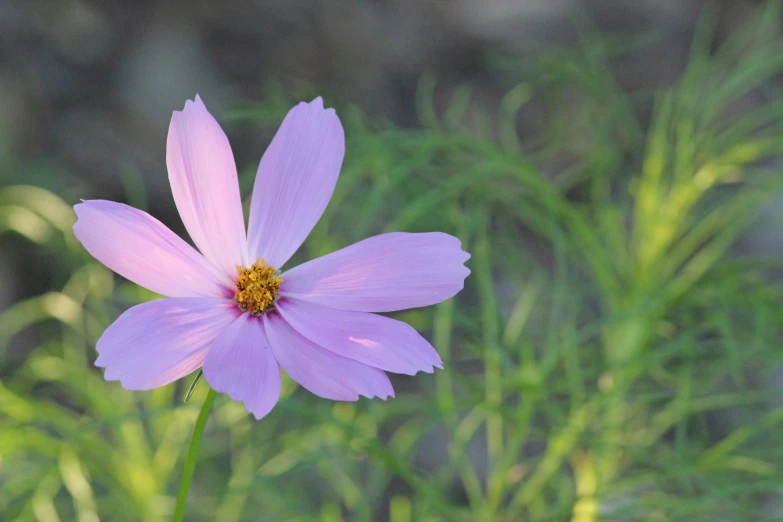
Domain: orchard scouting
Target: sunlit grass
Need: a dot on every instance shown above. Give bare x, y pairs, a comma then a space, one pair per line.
606, 361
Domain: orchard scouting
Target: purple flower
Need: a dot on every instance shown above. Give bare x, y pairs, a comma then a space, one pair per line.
229, 310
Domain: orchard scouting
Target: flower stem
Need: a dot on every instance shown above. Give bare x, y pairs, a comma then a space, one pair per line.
190, 460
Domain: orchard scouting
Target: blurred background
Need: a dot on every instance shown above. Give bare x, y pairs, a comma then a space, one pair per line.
613, 167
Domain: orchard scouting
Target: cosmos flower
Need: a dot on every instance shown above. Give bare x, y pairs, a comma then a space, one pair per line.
229, 310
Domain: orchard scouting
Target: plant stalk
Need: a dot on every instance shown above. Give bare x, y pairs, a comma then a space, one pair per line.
190, 459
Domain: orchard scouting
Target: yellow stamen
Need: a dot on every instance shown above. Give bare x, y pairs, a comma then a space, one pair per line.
257, 287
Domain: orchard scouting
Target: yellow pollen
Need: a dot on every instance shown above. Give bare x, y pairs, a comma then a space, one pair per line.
257, 287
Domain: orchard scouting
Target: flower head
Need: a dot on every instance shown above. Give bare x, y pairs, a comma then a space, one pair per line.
228, 309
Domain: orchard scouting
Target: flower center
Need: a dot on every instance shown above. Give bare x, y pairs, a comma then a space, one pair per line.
257, 287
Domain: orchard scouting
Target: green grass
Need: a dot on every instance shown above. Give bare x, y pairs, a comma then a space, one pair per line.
607, 359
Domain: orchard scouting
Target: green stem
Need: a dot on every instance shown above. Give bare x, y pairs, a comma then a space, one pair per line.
190, 460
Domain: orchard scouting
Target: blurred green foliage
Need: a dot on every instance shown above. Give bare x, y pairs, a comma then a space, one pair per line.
606, 361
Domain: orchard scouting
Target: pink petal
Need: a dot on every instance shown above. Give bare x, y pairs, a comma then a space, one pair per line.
295, 181
320, 371
382, 274
140, 248
378, 341
203, 180
241, 364
158, 342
